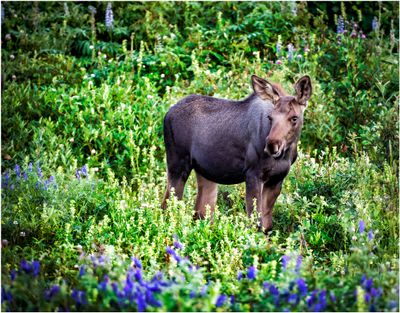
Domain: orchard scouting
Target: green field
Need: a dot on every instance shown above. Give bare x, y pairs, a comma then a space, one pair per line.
85, 87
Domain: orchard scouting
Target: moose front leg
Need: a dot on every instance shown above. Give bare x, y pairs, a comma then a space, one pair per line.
269, 196
253, 191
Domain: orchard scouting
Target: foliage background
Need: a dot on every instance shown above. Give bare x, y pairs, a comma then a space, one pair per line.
83, 99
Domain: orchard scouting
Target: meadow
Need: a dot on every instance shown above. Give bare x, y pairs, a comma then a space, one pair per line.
85, 87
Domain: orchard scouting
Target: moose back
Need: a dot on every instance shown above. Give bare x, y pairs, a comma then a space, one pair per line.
228, 142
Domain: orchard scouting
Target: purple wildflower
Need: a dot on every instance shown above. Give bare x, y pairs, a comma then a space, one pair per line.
332, 295
81, 270
273, 290
36, 268
278, 47
50, 293
375, 23
370, 235
103, 285
290, 52
25, 176
39, 171
302, 286
240, 275
367, 297
298, 263
141, 302
203, 290
265, 285
192, 294
285, 261
363, 278
26, 267
13, 274
361, 226
30, 167
278, 62
220, 300
340, 25
17, 169
293, 298
79, 297
137, 262
150, 299
368, 284
251, 273
77, 174
84, 170
178, 245
138, 275
232, 299
109, 17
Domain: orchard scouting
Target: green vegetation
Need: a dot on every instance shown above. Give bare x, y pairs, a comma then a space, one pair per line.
83, 165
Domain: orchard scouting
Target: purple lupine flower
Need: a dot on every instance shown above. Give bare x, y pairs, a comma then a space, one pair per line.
36, 268
150, 299
81, 270
13, 274
311, 299
39, 170
370, 235
273, 290
293, 298
137, 262
278, 47
17, 169
302, 286
361, 226
240, 275
141, 302
5, 296
79, 297
220, 300
375, 23
322, 299
192, 294
232, 299
25, 176
109, 17
332, 295
78, 174
298, 263
265, 285
84, 170
138, 275
251, 273
285, 261
367, 297
368, 284
103, 285
290, 52
178, 245
203, 290
363, 279
26, 267
30, 167
50, 293
340, 25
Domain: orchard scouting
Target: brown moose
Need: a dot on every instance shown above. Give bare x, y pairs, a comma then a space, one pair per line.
228, 142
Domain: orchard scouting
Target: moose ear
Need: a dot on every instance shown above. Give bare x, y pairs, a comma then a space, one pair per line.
303, 90
264, 89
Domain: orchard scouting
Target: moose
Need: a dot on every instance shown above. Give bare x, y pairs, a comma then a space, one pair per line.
229, 142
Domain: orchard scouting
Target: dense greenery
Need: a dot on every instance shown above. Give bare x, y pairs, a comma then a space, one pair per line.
83, 165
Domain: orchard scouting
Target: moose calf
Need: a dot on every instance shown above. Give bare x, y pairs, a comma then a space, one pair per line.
228, 142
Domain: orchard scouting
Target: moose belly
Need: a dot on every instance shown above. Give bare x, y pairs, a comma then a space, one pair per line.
219, 167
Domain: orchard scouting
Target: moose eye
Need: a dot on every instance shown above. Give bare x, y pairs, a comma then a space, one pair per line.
294, 119
269, 117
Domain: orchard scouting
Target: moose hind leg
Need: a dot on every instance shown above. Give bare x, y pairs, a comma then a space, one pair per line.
269, 196
206, 195
177, 176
